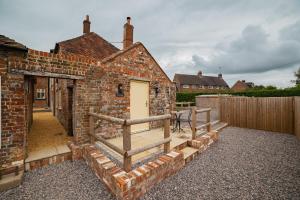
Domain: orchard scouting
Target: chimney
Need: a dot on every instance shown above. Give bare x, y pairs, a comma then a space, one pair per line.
220, 75
128, 34
86, 25
243, 81
199, 73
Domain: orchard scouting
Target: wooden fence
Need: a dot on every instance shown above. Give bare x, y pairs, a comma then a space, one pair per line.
264, 113
297, 117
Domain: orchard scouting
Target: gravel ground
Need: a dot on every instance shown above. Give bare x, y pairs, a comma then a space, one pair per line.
244, 164
69, 180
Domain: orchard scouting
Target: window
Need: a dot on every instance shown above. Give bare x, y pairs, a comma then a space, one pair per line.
185, 86
40, 93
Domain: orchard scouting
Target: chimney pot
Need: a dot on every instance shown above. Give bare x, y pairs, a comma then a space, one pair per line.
86, 25
220, 75
128, 34
199, 73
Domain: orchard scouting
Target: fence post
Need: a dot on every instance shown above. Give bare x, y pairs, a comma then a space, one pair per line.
126, 147
167, 133
92, 126
194, 123
208, 121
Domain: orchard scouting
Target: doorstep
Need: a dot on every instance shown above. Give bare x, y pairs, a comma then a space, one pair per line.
47, 156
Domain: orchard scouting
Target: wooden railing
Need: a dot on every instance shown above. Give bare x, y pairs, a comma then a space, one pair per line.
208, 124
127, 152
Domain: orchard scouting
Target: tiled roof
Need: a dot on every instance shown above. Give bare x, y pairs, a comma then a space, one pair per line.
244, 84
10, 43
187, 79
89, 44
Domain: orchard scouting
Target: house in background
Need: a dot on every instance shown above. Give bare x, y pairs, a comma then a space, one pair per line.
242, 85
199, 82
41, 92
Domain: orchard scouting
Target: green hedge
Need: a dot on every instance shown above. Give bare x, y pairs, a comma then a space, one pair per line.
270, 93
190, 97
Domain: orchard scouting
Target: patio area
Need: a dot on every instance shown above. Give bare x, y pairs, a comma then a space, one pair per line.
243, 164
141, 139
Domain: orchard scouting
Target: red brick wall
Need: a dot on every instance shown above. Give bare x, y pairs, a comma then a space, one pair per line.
62, 111
13, 113
95, 87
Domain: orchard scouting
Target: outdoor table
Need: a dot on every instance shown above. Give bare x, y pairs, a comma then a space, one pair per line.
178, 115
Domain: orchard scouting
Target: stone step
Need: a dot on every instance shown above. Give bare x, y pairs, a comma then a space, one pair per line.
189, 153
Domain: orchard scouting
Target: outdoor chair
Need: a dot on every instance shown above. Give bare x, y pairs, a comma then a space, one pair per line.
189, 118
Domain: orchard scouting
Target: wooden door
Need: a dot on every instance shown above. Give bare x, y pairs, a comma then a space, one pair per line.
139, 104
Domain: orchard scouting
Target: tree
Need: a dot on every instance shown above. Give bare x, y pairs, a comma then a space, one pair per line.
297, 74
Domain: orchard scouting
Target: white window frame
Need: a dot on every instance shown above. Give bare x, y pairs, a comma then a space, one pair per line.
185, 86
40, 94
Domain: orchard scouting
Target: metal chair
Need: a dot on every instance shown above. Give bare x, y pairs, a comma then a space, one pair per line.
189, 118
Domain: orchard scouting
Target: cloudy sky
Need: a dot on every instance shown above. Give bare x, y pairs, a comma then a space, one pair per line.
257, 40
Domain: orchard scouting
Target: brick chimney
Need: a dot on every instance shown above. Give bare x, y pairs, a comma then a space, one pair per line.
220, 75
199, 73
128, 34
86, 25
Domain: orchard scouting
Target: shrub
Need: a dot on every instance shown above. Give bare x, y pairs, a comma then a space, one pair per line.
266, 92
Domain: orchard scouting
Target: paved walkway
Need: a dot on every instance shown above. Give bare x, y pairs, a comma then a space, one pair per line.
243, 164
47, 136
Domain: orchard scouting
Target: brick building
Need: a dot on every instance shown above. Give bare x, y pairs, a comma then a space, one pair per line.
41, 92
199, 82
242, 85
83, 72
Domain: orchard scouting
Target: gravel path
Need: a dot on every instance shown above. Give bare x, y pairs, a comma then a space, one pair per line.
244, 164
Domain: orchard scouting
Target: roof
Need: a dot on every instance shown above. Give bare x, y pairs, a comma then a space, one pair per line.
89, 44
121, 52
244, 84
10, 43
187, 79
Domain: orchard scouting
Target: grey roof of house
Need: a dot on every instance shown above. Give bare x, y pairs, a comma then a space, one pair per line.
10, 43
186, 79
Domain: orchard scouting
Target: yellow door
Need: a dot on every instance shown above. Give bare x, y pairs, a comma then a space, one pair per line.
139, 104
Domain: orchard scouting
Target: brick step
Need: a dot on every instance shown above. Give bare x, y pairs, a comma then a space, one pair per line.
216, 127
42, 162
189, 153
179, 145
